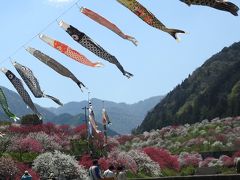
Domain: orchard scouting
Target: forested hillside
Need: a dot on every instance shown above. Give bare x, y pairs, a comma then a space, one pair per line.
213, 90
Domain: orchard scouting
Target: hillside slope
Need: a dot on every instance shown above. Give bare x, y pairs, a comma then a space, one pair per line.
213, 90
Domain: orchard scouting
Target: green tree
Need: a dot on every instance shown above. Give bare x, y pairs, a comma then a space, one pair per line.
30, 119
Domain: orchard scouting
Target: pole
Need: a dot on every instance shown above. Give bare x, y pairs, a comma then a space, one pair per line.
85, 113
88, 98
103, 104
87, 121
104, 124
85, 116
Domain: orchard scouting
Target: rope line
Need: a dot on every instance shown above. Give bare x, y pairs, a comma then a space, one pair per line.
44, 29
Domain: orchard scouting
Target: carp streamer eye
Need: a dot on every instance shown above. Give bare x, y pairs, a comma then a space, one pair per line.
10, 76
24, 68
75, 37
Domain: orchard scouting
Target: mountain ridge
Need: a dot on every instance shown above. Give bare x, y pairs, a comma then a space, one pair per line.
119, 113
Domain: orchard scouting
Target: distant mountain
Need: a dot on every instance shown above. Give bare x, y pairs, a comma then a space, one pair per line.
213, 90
124, 116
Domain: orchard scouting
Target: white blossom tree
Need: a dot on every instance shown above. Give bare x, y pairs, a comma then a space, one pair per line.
62, 165
145, 163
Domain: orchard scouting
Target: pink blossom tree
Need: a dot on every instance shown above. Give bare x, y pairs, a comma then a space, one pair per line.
189, 159
8, 168
119, 158
26, 145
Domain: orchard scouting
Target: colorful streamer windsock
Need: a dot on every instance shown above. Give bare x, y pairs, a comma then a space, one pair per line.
104, 22
92, 118
105, 118
4, 104
32, 82
68, 51
21, 91
56, 66
92, 46
148, 17
90, 129
222, 5
105, 121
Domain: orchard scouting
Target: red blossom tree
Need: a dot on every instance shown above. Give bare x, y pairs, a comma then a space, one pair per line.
23, 167
48, 128
65, 129
162, 157
104, 163
86, 161
81, 130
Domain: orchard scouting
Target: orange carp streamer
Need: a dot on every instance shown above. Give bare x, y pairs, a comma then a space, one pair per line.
68, 51
104, 22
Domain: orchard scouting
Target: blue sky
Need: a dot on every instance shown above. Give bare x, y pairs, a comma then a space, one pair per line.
159, 63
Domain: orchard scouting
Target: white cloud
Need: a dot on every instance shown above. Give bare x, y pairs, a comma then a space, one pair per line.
59, 2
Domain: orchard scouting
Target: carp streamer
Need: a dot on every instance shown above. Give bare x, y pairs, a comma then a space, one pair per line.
63, 48
92, 46
56, 66
148, 17
32, 82
104, 22
4, 104
222, 5
105, 122
92, 118
21, 90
